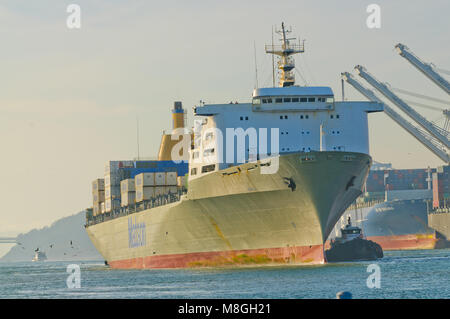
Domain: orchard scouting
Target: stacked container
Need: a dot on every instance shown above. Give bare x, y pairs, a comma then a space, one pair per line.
113, 176
149, 185
145, 186
98, 195
128, 193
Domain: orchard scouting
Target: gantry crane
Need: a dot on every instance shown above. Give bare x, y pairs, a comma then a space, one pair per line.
425, 68
423, 137
440, 134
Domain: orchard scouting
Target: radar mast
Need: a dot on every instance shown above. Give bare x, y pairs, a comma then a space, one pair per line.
285, 51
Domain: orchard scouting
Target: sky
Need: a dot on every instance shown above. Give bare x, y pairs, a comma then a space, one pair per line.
70, 97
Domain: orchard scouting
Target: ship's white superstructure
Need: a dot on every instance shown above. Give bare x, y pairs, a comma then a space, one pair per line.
280, 120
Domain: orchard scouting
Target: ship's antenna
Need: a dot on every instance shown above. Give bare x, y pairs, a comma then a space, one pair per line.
256, 64
273, 64
285, 51
137, 136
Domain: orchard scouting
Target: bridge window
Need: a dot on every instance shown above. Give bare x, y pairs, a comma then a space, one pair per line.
311, 99
279, 100
303, 99
295, 99
287, 99
195, 155
194, 171
209, 168
208, 152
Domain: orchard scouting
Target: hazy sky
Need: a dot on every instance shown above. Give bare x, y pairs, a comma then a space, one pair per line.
69, 97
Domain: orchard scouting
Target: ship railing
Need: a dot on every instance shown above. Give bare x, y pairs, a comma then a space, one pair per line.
138, 207
364, 204
440, 210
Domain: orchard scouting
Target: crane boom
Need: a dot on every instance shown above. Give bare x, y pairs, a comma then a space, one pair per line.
423, 67
421, 136
383, 89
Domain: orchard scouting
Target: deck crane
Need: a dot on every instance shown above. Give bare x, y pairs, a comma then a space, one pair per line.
423, 137
425, 68
438, 133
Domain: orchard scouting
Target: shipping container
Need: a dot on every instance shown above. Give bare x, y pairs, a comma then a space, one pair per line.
97, 209
111, 204
171, 190
98, 197
127, 198
171, 178
145, 193
112, 192
160, 190
160, 179
182, 181
98, 185
127, 185
145, 179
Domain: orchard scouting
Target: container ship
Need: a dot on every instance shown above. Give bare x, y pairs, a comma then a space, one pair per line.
251, 183
439, 213
394, 211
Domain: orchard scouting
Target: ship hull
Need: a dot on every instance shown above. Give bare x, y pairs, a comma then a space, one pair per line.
400, 225
240, 217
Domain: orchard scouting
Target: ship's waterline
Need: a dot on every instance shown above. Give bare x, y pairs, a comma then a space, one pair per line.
242, 218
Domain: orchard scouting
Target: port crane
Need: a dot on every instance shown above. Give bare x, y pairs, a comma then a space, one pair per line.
429, 71
425, 68
433, 137
432, 129
422, 136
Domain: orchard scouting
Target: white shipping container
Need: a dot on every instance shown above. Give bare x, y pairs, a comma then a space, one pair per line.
145, 193
127, 185
112, 192
111, 204
127, 198
98, 197
171, 178
98, 185
181, 181
171, 189
160, 179
145, 179
160, 190
97, 209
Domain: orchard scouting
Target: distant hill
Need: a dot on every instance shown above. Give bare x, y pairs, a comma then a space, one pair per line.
65, 239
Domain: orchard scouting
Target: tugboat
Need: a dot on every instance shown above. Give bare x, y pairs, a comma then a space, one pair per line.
39, 255
352, 246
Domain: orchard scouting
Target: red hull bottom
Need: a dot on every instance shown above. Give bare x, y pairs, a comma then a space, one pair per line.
405, 242
249, 257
